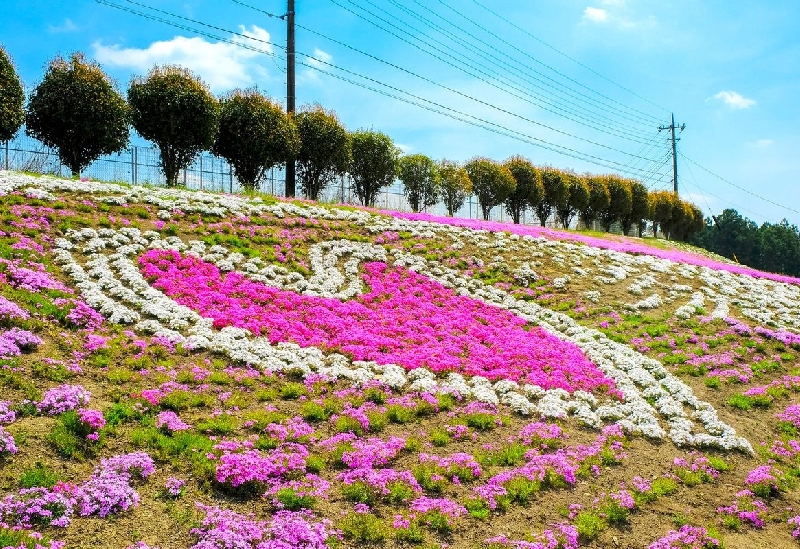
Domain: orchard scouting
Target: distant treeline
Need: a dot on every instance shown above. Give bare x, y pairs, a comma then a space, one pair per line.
773, 247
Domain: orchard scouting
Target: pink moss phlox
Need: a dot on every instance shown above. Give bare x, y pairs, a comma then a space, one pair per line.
558, 536
609, 242
379, 479
687, 537
256, 467
373, 452
170, 422
8, 446
63, 398
795, 521
7, 415
458, 459
404, 319
539, 431
11, 311
791, 414
747, 508
445, 506
292, 429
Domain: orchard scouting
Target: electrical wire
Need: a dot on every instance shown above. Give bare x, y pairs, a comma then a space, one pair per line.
453, 113
612, 127
573, 60
743, 189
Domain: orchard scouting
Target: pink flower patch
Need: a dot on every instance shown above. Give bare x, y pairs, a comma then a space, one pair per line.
404, 318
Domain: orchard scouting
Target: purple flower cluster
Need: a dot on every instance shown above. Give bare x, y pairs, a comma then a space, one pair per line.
448, 508
688, 537
256, 469
7, 415
83, 316
7, 445
746, 508
174, 486
791, 414
93, 421
795, 521
38, 507
136, 466
62, 399
373, 451
11, 311
458, 460
764, 480
14, 341
169, 422
538, 432
380, 480
33, 281
294, 428
224, 529
559, 536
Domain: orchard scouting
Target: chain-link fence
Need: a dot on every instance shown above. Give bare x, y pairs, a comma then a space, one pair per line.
140, 165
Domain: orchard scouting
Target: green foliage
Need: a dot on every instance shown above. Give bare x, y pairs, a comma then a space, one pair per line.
640, 207
77, 110
440, 437
620, 201
456, 185
491, 182
740, 402
291, 500
373, 165
400, 414
324, 149
255, 134
12, 98
589, 525
220, 425
556, 193
529, 190
478, 508
421, 181
175, 110
363, 528
663, 486
293, 391
577, 199
599, 199
481, 421
661, 208
40, 475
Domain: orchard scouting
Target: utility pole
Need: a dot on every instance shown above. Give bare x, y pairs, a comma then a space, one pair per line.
290, 88
672, 128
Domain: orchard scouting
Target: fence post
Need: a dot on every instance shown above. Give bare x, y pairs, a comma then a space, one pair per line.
230, 176
133, 165
201, 172
7, 154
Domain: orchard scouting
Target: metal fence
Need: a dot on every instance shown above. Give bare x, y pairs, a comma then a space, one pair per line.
140, 165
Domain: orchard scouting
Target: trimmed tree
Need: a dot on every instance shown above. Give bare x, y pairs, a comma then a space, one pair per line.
324, 149
556, 193
12, 98
640, 208
661, 203
174, 109
255, 134
373, 165
619, 204
491, 182
529, 191
421, 181
456, 185
577, 199
77, 110
599, 199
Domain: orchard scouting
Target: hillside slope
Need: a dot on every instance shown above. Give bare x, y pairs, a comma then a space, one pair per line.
183, 369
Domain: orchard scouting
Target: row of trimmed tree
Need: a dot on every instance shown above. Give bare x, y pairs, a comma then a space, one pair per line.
77, 110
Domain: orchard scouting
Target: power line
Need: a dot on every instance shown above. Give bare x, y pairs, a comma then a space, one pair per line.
739, 186
455, 91
613, 127
571, 59
452, 113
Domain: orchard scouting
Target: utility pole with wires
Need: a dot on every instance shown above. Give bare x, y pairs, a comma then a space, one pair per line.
672, 128
290, 88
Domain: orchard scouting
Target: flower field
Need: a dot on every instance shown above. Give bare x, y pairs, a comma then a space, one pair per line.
192, 370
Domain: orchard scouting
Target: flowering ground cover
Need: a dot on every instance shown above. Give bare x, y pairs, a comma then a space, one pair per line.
189, 370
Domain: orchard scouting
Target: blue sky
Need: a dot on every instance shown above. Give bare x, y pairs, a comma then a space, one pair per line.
590, 78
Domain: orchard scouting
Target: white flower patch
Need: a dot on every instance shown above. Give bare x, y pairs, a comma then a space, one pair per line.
695, 304
653, 301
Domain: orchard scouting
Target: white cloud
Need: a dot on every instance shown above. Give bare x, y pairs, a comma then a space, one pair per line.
763, 143
221, 65
734, 100
66, 26
596, 15
320, 58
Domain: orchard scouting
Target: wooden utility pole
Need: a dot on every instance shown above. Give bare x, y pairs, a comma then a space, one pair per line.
672, 128
290, 88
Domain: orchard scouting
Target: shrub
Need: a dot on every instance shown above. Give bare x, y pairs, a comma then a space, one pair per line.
324, 149
77, 110
456, 185
175, 110
12, 98
254, 135
373, 164
421, 180
491, 182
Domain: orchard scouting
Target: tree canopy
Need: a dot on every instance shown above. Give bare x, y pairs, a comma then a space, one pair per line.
529, 190
556, 192
77, 110
421, 181
373, 165
324, 149
174, 109
12, 98
456, 185
577, 199
491, 182
255, 134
